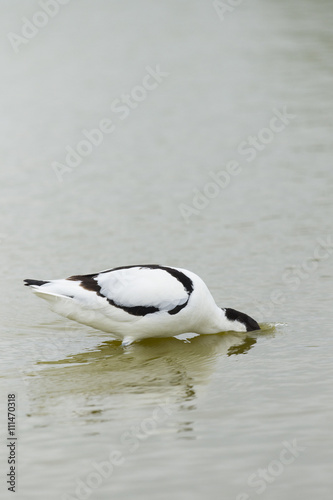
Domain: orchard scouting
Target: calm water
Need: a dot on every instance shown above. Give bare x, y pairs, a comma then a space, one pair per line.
223, 416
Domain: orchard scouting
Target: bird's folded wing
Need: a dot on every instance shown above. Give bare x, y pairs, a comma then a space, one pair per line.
140, 287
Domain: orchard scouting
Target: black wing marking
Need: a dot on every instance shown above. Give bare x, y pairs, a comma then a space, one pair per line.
89, 282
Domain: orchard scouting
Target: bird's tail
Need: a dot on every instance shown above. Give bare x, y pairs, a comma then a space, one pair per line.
57, 292
35, 282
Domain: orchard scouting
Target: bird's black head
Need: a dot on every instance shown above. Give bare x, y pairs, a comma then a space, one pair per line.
249, 323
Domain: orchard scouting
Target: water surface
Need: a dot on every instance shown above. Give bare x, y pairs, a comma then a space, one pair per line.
184, 419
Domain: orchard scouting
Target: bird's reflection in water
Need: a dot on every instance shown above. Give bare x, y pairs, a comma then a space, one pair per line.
110, 381
243, 348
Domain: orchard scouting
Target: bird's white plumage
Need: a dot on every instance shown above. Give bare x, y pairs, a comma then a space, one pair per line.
142, 287
137, 302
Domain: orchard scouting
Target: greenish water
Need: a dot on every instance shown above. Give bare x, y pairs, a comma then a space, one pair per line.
222, 165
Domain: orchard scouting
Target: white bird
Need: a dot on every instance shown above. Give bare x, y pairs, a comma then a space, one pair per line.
137, 302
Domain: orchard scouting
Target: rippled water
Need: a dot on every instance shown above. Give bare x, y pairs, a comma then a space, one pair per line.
223, 416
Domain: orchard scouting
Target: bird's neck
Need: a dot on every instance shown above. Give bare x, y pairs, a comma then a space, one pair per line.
220, 323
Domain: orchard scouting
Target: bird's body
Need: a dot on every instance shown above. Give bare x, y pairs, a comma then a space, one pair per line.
137, 302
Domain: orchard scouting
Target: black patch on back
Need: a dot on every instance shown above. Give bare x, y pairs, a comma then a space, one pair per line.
233, 315
35, 282
89, 282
